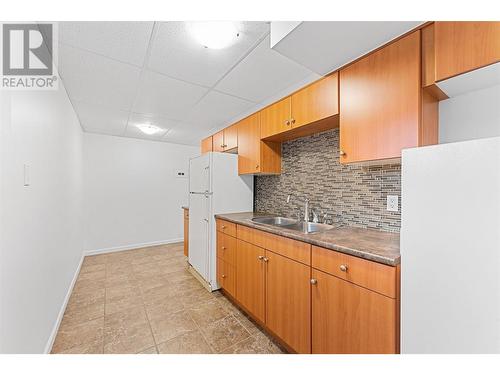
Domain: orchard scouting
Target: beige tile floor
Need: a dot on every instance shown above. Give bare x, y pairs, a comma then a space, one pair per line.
146, 301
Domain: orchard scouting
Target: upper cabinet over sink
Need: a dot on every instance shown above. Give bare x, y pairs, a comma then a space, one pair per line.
310, 110
380, 102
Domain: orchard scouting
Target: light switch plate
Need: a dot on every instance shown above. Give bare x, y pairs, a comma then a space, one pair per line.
393, 203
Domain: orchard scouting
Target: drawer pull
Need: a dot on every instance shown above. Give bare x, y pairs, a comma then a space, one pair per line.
223, 248
260, 257
343, 267
223, 227
314, 281
266, 259
223, 276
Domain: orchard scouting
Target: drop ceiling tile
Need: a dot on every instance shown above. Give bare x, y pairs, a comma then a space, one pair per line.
97, 119
136, 119
177, 54
168, 97
216, 109
96, 79
262, 73
124, 41
185, 134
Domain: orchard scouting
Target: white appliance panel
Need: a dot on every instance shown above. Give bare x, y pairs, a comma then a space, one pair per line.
450, 248
199, 174
199, 233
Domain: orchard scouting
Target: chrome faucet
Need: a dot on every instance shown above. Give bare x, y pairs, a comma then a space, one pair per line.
306, 210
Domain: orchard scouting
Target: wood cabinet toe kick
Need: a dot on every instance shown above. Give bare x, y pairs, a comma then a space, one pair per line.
312, 299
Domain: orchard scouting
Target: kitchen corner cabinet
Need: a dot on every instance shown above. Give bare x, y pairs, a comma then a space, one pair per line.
226, 140
464, 46
256, 156
381, 104
310, 110
206, 145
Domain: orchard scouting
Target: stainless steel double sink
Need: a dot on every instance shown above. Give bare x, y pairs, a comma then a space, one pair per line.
292, 224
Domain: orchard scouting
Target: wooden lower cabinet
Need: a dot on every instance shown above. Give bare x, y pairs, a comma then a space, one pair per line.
226, 276
288, 296
348, 319
309, 310
186, 231
250, 278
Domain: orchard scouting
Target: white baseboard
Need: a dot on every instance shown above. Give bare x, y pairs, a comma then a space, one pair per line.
130, 247
53, 334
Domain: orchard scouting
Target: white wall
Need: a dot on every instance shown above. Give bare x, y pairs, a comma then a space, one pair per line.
470, 116
132, 197
40, 225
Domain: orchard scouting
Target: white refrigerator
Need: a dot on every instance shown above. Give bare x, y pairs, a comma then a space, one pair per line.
450, 248
214, 188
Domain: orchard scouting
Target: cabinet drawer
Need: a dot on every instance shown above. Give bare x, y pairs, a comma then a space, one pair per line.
371, 275
296, 250
226, 248
226, 276
226, 227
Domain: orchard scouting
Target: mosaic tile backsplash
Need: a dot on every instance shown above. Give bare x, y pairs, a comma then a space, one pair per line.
352, 195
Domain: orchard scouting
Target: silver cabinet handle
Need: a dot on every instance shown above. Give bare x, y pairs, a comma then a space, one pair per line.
223, 248
266, 259
342, 153
343, 267
223, 276
223, 227
314, 281
287, 122
260, 257
293, 121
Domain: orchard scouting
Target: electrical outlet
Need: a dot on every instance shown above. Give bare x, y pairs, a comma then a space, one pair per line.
393, 203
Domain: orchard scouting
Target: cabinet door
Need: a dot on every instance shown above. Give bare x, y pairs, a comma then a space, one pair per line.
231, 137
275, 119
465, 46
226, 276
250, 278
349, 319
218, 141
288, 303
380, 102
316, 102
249, 144
206, 145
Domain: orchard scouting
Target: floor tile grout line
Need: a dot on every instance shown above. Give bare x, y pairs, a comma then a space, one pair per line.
149, 321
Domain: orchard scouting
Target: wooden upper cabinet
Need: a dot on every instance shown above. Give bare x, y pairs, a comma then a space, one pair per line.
218, 141
231, 137
275, 119
315, 102
464, 46
256, 156
250, 278
288, 296
349, 319
206, 145
249, 145
380, 102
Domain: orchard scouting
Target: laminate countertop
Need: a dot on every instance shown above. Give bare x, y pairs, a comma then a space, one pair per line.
371, 244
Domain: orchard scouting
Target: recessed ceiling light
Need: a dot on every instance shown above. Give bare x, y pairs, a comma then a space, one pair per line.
214, 35
149, 129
